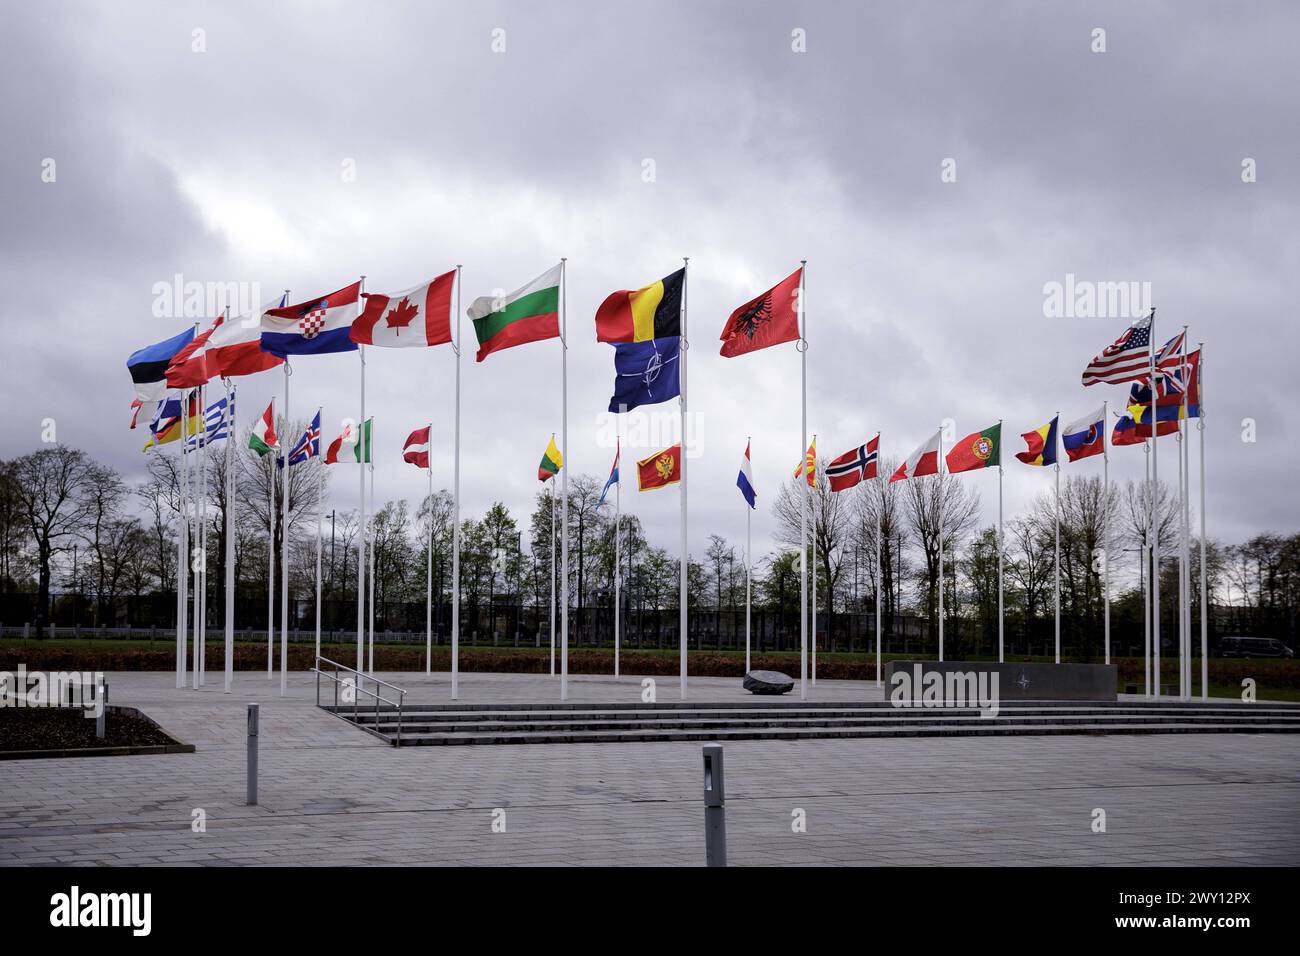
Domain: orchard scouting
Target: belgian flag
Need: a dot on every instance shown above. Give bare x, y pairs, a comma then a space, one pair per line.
653, 312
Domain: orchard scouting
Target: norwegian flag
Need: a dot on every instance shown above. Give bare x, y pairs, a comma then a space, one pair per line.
854, 466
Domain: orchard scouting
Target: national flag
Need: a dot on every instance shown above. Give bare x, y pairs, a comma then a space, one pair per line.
308, 446
660, 469
809, 464
361, 452
263, 437
136, 405
854, 466
317, 326
216, 423
148, 366
652, 312
981, 449
189, 367
1129, 432
529, 314
1041, 444
769, 319
235, 347
551, 463
332, 452
411, 319
923, 461
416, 449
613, 473
745, 480
1126, 359
1085, 436
645, 373
167, 425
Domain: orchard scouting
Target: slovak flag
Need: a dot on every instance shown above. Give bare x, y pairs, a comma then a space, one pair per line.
745, 480
1086, 436
315, 327
613, 473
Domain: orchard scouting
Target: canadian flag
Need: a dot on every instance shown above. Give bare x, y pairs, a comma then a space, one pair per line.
923, 461
414, 318
416, 449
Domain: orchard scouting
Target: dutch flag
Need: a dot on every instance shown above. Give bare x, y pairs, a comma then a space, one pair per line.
745, 480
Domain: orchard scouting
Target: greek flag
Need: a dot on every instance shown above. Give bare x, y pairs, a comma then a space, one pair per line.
217, 423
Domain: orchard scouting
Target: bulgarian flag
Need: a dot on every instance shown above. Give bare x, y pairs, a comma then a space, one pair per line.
529, 314
263, 438
551, 463
982, 449
923, 461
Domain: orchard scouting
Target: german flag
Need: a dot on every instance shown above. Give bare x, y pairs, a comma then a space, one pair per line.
660, 469
654, 312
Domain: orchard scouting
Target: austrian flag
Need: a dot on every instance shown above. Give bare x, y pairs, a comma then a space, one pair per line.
410, 319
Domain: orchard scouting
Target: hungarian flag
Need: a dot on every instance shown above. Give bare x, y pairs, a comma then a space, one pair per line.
235, 347
660, 469
923, 461
769, 319
652, 312
410, 319
263, 437
148, 366
982, 449
854, 466
1085, 437
416, 449
189, 367
315, 327
551, 463
1041, 444
528, 314
809, 464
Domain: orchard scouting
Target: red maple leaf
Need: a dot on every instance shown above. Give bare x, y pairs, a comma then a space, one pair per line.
401, 316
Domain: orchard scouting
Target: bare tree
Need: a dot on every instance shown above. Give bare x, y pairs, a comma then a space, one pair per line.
49, 486
935, 505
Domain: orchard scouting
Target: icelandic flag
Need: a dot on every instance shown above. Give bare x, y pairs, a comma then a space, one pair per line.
1086, 436
645, 373
613, 475
315, 327
308, 445
745, 480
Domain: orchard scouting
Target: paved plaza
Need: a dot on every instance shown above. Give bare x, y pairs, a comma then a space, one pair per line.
331, 794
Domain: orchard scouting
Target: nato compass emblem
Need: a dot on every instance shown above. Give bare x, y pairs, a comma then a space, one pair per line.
655, 366
1024, 681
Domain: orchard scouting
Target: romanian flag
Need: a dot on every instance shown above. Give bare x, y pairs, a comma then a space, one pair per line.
551, 463
809, 464
1042, 445
660, 469
652, 312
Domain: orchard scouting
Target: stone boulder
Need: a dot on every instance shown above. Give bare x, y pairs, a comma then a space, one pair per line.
768, 682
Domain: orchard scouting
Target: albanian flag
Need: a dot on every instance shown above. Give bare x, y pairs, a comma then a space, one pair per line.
769, 319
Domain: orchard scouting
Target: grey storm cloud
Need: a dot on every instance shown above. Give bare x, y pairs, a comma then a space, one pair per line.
925, 298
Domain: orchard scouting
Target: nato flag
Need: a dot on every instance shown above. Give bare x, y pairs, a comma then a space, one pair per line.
645, 373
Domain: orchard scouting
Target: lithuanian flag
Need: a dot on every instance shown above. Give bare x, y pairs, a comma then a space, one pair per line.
528, 314
551, 463
1041, 444
652, 312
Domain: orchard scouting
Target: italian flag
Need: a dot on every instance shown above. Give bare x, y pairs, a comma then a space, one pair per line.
529, 314
263, 438
982, 449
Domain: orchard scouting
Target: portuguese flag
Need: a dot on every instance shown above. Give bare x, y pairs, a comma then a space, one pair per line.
526, 315
982, 449
551, 463
653, 312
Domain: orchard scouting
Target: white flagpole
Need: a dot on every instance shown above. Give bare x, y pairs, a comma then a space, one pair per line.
197, 538
749, 561
1155, 515
1105, 527
284, 546
880, 578
815, 509
1185, 429
942, 493
1056, 467
552, 569
361, 511
803, 490
1182, 568
320, 535
203, 538
230, 532
455, 519
374, 535
270, 556
1001, 549
684, 567
428, 572
1145, 572
564, 481
1205, 603
182, 555
618, 549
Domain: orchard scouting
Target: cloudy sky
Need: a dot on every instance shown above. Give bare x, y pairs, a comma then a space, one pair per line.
220, 156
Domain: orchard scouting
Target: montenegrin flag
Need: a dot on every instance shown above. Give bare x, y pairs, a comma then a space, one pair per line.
982, 449
314, 327
923, 461
661, 469
1041, 444
411, 319
652, 312
551, 463
529, 314
235, 347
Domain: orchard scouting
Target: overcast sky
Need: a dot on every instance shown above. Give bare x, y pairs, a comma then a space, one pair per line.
925, 298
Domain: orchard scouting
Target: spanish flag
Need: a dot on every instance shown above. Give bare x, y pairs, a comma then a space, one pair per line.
1041, 444
809, 464
654, 312
660, 469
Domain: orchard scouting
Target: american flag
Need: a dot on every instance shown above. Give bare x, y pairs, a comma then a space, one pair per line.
1128, 359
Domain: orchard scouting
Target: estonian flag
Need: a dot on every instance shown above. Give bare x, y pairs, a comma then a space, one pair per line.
148, 366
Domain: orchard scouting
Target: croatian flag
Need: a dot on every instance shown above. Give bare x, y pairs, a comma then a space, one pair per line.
315, 327
745, 480
613, 474
1086, 436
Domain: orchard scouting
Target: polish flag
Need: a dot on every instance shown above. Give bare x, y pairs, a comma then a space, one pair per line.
923, 461
416, 449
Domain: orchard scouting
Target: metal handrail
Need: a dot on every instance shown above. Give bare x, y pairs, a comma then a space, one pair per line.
359, 689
